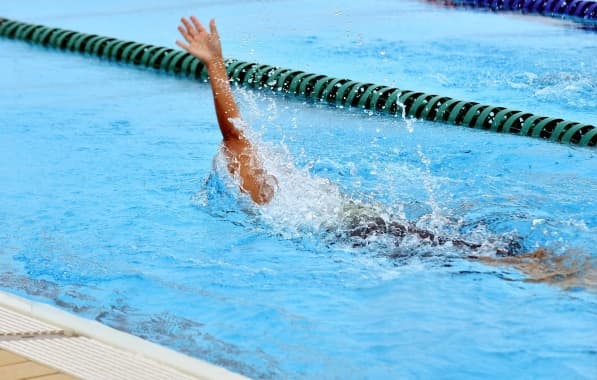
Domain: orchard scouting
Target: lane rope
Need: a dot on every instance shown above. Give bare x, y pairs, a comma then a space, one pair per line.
579, 11
336, 91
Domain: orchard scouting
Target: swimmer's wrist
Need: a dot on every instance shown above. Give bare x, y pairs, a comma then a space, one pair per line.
215, 63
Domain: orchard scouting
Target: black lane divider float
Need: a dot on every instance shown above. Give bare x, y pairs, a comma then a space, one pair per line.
317, 87
581, 11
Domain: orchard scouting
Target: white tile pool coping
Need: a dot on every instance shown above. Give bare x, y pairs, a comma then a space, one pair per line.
90, 350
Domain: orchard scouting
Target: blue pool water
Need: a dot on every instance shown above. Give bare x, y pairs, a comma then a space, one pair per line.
107, 210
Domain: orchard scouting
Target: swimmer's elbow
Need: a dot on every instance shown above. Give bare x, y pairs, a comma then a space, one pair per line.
266, 191
265, 196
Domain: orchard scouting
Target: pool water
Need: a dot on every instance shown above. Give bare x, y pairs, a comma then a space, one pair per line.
111, 207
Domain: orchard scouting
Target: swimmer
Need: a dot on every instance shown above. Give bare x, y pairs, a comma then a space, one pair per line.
244, 164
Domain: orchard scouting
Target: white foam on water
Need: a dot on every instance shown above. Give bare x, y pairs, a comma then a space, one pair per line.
304, 203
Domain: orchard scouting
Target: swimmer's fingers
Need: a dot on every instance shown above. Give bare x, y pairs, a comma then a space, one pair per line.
185, 34
197, 24
183, 45
212, 27
190, 30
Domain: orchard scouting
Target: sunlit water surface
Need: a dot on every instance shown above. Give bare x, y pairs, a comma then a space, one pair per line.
112, 209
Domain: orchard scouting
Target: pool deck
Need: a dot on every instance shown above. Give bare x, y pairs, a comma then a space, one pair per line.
40, 342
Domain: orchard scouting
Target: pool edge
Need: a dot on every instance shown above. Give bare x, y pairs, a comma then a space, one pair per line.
73, 324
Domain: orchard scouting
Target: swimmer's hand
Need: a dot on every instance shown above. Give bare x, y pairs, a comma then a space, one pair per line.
201, 44
208, 49
571, 270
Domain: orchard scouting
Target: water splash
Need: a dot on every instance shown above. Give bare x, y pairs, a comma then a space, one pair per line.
304, 204
410, 122
314, 210
435, 220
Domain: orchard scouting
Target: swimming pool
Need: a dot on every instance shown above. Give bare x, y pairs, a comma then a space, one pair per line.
106, 212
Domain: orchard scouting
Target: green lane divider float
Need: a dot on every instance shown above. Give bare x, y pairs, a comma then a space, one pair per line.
337, 91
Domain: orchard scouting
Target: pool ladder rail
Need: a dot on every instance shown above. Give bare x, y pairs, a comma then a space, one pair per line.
317, 87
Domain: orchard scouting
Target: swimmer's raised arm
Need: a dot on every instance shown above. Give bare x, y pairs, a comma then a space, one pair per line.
243, 161
206, 47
